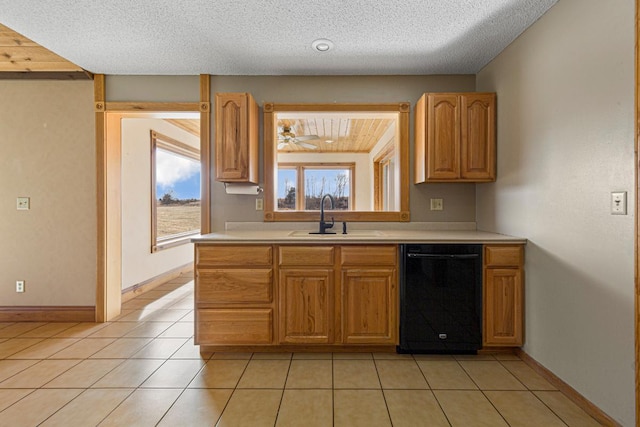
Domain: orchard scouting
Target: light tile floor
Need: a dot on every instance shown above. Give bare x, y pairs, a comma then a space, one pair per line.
143, 369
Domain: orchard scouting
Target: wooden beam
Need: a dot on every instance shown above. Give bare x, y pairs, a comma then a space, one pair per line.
637, 210
101, 256
205, 153
151, 106
45, 75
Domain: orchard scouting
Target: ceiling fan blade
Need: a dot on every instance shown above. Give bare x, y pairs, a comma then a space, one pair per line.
305, 145
307, 137
281, 145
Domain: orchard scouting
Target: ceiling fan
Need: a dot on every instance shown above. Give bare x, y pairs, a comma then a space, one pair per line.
288, 137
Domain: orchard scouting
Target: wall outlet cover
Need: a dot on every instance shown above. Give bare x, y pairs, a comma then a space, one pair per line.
437, 204
23, 203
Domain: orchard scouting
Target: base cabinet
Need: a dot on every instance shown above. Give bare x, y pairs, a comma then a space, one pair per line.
234, 295
503, 296
369, 306
330, 295
235, 326
305, 309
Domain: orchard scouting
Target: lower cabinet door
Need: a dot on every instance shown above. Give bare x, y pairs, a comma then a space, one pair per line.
251, 326
369, 306
306, 306
503, 307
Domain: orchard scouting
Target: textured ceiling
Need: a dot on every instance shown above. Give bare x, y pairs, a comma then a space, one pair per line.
273, 37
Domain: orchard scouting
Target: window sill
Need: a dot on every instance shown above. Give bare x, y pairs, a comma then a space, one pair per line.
173, 241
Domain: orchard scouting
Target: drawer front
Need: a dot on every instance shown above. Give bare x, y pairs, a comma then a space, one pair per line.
234, 326
369, 255
233, 255
503, 256
306, 255
221, 286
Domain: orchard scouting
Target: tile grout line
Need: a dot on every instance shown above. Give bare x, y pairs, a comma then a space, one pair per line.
235, 388
432, 392
284, 386
536, 396
482, 391
384, 397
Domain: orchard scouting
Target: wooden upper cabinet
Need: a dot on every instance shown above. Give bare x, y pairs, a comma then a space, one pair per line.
236, 124
455, 137
478, 149
443, 134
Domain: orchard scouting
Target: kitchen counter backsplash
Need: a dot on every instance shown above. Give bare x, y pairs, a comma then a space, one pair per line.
311, 226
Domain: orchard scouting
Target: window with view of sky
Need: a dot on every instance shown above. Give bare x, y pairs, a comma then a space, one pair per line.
176, 189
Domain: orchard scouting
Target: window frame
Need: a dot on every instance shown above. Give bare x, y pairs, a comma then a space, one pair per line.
301, 167
164, 142
380, 162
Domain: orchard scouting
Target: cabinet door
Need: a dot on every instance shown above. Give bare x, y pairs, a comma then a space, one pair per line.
478, 140
306, 306
236, 138
369, 306
503, 307
443, 137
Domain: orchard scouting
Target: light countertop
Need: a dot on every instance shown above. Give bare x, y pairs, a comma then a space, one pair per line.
357, 236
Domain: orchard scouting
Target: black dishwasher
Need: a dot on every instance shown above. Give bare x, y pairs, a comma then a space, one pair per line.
440, 298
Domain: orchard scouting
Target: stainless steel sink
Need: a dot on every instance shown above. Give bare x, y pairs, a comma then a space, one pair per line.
355, 234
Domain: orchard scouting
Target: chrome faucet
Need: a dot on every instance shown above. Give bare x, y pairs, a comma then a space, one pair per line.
324, 226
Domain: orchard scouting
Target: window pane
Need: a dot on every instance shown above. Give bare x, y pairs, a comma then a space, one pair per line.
178, 194
287, 189
318, 182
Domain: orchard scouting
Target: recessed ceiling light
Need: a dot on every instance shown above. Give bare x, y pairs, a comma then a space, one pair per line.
322, 45
329, 141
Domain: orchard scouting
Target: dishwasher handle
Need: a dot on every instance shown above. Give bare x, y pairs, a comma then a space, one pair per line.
442, 256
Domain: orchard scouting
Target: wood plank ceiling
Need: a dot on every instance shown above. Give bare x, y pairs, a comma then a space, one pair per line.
335, 135
189, 125
22, 58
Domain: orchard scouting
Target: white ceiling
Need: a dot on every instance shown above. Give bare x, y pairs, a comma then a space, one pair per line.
273, 37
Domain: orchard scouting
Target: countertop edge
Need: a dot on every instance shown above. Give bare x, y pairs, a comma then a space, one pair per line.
388, 237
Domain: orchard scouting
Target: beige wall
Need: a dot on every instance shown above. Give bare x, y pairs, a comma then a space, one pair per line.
152, 88
459, 199
47, 153
138, 263
565, 142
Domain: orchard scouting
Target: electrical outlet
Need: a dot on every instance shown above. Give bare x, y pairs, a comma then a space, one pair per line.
437, 205
619, 203
259, 204
23, 204
19, 285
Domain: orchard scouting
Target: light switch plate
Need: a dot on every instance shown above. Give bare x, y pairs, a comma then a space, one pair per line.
619, 203
23, 204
